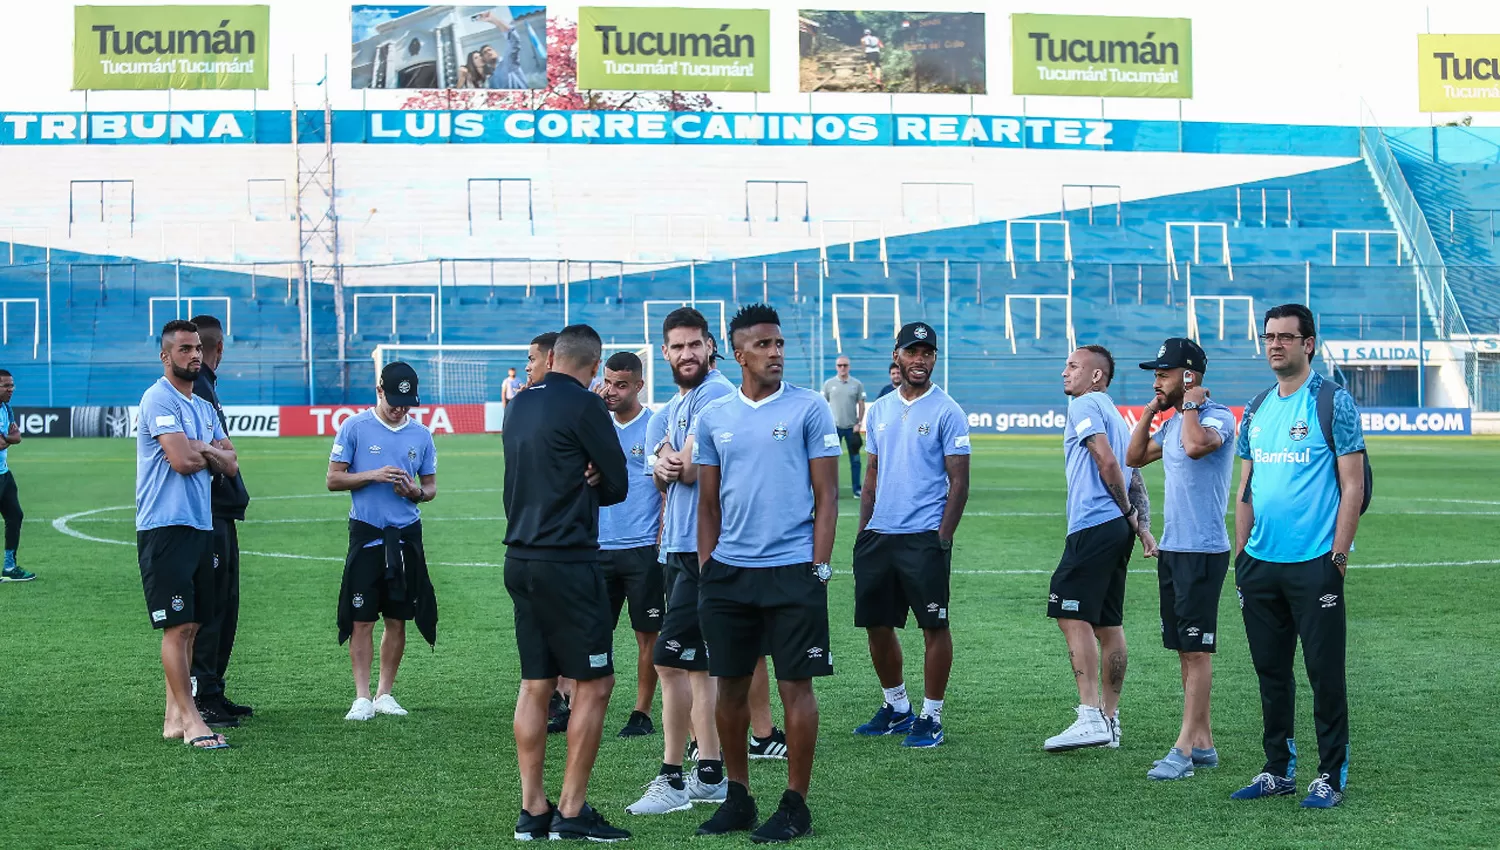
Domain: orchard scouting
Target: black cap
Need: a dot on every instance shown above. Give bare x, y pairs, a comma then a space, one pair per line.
400, 384
1179, 353
917, 333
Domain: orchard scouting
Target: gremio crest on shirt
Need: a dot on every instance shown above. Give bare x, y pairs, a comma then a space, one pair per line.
924, 429
637, 450
1299, 430
779, 432
411, 453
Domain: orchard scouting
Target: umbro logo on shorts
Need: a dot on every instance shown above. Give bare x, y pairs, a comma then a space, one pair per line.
1329, 600
815, 652
932, 607
1193, 631
673, 646
653, 612
1052, 597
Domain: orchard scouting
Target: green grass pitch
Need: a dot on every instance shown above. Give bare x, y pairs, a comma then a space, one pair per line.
82, 763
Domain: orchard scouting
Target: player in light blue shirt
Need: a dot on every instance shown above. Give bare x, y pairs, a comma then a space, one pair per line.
628, 532
1088, 588
179, 441
10, 496
767, 511
914, 496
388, 463
1302, 488
1196, 448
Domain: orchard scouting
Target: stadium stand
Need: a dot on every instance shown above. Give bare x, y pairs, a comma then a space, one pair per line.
1017, 265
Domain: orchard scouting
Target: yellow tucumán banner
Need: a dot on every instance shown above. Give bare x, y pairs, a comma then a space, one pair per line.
1458, 73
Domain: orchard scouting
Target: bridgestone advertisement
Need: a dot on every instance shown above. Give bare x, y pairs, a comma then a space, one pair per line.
670, 49
171, 47
1098, 56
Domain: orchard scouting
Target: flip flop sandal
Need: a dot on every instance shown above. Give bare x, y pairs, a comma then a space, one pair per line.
218, 742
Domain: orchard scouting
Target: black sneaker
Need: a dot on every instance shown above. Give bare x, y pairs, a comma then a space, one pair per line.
216, 716
770, 747
235, 709
736, 814
639, 724
530, 827
791, 821
558, 712
589, 825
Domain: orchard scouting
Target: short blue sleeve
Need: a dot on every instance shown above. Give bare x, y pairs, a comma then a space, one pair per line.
1348, 434
818, 431
345, 444
429, 456
953, 427
1242, 445
159, 416
872, 430
705, 453
1085, 419
1220, 419
213, 416
656, 431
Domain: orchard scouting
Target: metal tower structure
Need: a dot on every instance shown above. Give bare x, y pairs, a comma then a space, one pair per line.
317, 217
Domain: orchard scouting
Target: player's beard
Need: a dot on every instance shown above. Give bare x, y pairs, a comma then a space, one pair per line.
184, 373
693, 382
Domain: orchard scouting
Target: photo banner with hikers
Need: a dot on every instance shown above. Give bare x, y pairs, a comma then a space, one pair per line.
449, 47
1458, 73
153, 48
1102, 56
673, 49
908, 52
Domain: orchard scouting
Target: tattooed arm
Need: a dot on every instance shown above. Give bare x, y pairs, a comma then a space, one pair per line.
1141, 501
1114, 479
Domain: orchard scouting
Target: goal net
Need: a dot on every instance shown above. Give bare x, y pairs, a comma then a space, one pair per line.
475, 374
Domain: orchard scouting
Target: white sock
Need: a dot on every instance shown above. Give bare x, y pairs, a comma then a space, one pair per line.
896, 698
933, 708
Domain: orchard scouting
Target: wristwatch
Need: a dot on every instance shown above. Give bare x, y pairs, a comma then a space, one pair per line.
1340, 560
823, 571
1190, 405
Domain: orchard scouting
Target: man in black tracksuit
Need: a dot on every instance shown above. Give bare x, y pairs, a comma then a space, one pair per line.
563, 462
216, 636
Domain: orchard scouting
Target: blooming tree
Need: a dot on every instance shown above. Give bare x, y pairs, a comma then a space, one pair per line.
562, 91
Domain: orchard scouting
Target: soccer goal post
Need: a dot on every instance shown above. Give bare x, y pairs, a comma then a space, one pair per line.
475, 374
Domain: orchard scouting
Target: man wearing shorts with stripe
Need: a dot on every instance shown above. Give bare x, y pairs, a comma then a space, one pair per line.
915, 492
1196, 448
179, 443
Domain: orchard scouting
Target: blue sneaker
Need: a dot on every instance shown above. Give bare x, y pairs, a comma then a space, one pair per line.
15, 573
1320, 795
1266, 785
925, 734
1205, 758
1177, 765
888, 721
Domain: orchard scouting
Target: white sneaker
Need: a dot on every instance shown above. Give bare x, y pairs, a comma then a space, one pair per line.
386, 704
1114, 730
702, 792
660, 799
362, 709
1091, 729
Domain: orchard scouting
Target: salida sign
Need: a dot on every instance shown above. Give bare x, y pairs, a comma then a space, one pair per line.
325, 421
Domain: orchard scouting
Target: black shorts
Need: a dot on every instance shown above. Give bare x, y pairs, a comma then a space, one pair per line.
894, 573
872, 57
680, 643
177, 573
563, 621
1089, 583
749, 610
1190, 584
634, 576
370, 594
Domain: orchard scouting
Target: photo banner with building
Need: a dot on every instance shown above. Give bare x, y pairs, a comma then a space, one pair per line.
1099, 56
1458, 73
673, 49
449, 47
899, 52
146, 48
